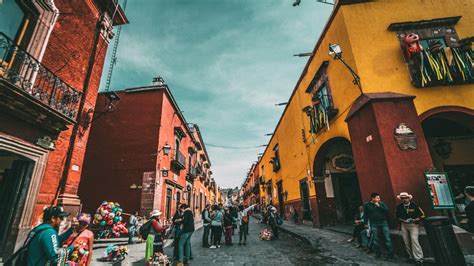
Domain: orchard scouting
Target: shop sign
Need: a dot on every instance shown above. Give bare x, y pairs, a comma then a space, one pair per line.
343, 162
405, 137
439, 190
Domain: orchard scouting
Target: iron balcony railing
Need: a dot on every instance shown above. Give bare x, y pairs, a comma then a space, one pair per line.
192, 173
179, 161
26, 73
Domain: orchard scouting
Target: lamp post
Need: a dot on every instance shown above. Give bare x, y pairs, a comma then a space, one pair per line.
336, 52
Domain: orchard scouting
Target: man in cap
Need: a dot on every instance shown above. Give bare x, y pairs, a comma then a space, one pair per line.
44, 240
409, 215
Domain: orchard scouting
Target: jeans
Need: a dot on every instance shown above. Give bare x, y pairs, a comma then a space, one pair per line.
410, 233
366, 240
243, 232
185, 246
205, 235
385, 230
357, 229
131, 234
217, 232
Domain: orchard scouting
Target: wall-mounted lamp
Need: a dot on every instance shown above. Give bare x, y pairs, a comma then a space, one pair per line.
335, 51
133, 186
285, 195
88, 116
166, 150
443, 148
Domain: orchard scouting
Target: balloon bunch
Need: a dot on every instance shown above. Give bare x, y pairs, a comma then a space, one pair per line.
108, 213
119, 228
158, 258
266, 234
115, 252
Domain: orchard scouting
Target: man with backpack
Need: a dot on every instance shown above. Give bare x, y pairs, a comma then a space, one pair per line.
42, 244
206, 220
243, 221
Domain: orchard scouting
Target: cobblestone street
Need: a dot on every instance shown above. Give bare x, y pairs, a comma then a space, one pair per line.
287, 250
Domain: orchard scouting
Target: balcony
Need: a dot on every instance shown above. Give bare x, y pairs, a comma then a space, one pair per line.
192, 173
32, 92
178, 160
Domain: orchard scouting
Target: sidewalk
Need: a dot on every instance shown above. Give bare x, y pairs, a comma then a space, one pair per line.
332, 242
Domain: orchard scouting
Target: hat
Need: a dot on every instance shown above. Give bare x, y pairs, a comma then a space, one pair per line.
55, 211
155, 213
84, 217
404, 195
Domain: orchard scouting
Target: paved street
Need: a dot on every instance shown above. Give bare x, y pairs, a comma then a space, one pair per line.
285, 251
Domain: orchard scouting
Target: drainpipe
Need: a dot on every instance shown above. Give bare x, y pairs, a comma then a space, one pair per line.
75, 130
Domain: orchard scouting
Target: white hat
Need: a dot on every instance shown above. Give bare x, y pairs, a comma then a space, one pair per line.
155, 213
404, 195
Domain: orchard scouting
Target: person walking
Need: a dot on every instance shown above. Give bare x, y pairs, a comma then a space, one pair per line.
133, 226
228, 227
376, 213
216, 226
243, 222
358, 226
206, 220
187, 231
43, 241
235, 216
409, 216
82, 237
154, 241
177, 221
272, 220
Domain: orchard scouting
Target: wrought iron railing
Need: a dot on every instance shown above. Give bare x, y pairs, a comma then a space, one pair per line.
25, 72
192, 171
178, 159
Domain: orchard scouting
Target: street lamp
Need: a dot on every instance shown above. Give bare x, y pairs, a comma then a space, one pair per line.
88, 117
335, 51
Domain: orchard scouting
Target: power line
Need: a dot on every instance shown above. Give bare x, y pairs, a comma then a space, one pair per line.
234, 147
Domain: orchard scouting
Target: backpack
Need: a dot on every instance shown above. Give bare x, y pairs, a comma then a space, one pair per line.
145, 229
20, 257
245, 219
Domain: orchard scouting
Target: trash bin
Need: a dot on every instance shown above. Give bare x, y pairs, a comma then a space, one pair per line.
443, 241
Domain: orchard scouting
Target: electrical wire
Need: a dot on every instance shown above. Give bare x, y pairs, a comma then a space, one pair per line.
233, 147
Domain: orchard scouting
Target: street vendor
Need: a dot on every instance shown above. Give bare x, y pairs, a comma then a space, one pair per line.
80, 243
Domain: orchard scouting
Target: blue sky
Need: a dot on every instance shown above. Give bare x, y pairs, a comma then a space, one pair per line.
227, 63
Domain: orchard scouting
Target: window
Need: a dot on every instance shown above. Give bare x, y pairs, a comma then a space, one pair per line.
276, 160
322, 109
11, 19
433, 52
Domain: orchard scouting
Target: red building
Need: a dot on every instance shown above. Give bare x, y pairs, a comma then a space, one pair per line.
145, 155
51, 60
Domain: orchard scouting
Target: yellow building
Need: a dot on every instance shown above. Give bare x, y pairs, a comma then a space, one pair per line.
334, 145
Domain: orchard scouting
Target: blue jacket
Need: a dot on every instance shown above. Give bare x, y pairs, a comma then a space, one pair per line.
43, 249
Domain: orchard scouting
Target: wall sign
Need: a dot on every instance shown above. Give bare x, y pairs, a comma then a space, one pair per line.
343, 162
439, 190
405, 137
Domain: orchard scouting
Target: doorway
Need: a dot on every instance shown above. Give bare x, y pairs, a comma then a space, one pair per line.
347, 195
15, 176
305, 204
169, 199
280, 198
